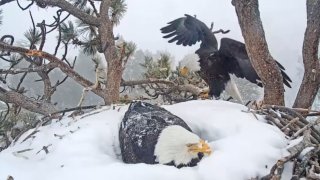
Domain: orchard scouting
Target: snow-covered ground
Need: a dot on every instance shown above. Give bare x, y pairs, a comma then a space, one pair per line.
87, 147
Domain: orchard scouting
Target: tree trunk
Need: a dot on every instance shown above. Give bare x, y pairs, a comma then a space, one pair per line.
257, 48
114, 69
114, 76
311, 79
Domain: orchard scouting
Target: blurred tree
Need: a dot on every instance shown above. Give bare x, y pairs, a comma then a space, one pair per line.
134, 71
92, 32
174, 86
159, 68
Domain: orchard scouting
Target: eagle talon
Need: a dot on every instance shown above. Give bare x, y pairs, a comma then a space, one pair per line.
257, 104
204, 95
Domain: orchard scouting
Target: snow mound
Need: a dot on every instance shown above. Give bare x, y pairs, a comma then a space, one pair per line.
87, 147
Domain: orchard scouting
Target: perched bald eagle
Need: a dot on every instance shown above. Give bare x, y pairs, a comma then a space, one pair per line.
150, 134
216, 65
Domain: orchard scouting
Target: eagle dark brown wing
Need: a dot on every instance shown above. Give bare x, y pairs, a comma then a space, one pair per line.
189, 30
237, 62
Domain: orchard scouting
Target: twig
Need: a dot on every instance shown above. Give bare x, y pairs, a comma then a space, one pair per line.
94, 8
73, 131
59, 136
19, 155
45, 149
275, 115
252, 112
25, 150
221, 31
274, 121
84, 92
89, 115
305, 128
49, 117
291, 112
30, 135
314, 114
294, 120
22, 78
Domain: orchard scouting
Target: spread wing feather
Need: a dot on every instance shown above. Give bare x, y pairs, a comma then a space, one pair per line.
186, 31
238, 62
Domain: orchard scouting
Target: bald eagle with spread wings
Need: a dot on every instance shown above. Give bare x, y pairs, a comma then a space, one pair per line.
216, 65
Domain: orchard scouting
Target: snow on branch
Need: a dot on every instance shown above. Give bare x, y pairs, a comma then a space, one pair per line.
171, 90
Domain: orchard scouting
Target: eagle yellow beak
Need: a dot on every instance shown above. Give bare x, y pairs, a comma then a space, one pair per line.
202, 147
184, 71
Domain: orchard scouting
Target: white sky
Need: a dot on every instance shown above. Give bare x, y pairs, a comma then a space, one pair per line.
284, 24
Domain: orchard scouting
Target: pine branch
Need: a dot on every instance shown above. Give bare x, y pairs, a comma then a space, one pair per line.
61, 65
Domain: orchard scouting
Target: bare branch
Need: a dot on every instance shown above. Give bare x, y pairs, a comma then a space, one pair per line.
57, 21
308, 126
22, 78
147, 81
294, 113
25, 102
31, 69
94, 8
45, 149
47, 92
59, 40
66, 6
221, 31
49, 116
43, 34
171, 86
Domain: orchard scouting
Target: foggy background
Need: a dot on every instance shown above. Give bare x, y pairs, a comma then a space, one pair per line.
284, 23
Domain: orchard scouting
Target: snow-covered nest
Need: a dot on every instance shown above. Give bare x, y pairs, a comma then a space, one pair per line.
87, 147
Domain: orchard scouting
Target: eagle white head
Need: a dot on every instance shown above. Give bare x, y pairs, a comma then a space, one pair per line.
180, 146
189, 63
